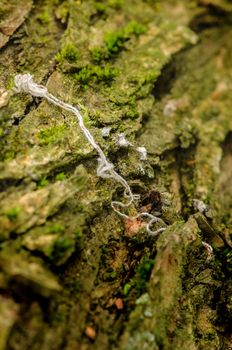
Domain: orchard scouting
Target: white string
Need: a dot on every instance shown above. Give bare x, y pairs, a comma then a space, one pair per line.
121, 141
209, 250
105, 169
105, 131
143, 153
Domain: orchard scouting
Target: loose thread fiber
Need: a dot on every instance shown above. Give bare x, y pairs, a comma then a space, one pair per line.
105, 169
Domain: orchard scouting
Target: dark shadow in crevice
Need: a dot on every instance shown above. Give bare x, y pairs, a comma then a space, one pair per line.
185, 160
211, 18
165, 81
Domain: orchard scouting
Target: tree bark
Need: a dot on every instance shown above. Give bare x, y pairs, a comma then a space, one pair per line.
74, 275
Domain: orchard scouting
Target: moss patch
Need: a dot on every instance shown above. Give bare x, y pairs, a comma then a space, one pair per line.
13, 213
52, 135
114, 41
69, 52
92, 74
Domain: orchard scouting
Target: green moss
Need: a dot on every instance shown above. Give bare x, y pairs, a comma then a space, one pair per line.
134, 28
113, 275
44, 17
98, 54
115, 4
60, 177
78, 233
101, 8
10, 83
126, 289
59, 317
2, 13
132, 114
104, 249
13, 213
95, 74
76, 286
9, 155
62, 12
114, 42
55, 228
69, 52
43, 182
143, 272
225, 255
52, 135
61, 247
144, 269
139, 281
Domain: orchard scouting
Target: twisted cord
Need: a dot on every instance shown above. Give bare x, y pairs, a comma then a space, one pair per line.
105, 169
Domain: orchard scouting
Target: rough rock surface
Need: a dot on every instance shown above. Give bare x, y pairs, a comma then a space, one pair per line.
73, 275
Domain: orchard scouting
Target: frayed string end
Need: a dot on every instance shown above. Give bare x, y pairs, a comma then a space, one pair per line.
25, 83
121, 141
143, 153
